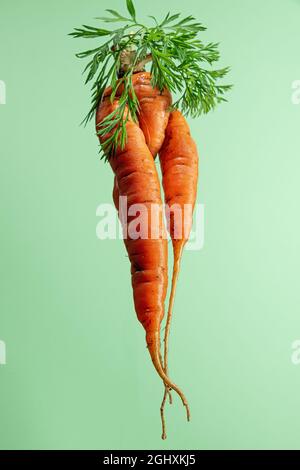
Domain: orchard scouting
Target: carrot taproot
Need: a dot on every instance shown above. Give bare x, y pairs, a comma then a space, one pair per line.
116, 198
132, 165
179, 164
169, 134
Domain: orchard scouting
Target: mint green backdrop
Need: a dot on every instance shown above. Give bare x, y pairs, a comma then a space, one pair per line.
78, 373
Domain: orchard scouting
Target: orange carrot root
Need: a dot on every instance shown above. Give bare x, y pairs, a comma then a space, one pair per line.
152, 339
178, 156
178, 249
168, 391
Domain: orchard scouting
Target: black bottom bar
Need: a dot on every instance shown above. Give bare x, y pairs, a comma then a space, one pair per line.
135, 459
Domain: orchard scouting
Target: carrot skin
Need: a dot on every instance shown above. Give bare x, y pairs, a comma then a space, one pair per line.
179, 165
153, 112
131, 166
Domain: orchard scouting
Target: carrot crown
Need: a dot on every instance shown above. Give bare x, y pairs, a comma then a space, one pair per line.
178, 60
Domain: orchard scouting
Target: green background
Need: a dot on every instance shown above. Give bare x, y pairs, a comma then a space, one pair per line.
78, 373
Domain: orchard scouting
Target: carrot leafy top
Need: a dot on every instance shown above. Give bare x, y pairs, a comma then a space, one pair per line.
180, 61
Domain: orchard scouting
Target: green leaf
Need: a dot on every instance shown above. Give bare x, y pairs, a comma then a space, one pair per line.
185, 24
89, 32
153, 18
116, 14
168, 19
83, 55
131, 9
107, 20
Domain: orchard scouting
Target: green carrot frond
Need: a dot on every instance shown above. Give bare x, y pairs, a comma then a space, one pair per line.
180, 62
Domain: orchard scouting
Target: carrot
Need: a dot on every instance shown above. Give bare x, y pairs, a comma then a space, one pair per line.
132, 165
153, 112
116, 196
134, 124
179, 165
